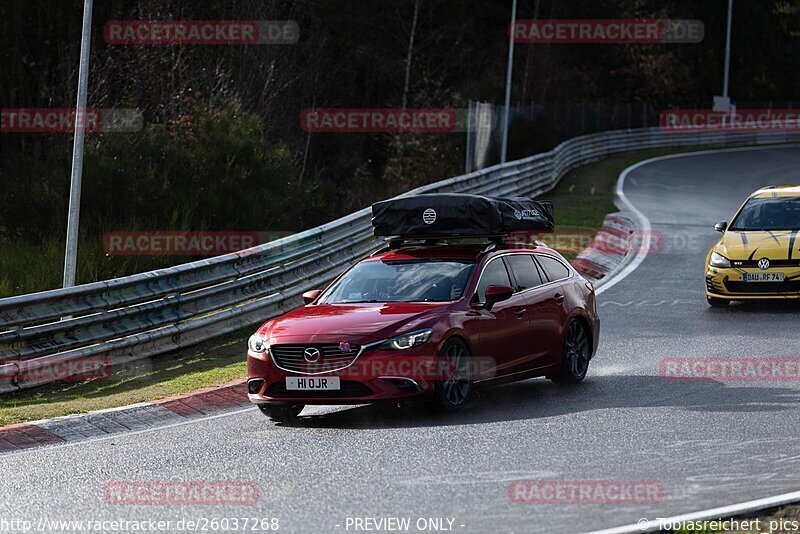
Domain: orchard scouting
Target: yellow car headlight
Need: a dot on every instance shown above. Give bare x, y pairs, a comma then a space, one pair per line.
718, 260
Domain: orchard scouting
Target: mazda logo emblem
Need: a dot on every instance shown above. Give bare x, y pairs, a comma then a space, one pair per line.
763, 264
311, 354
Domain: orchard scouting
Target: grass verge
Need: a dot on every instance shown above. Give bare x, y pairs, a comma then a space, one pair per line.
220, 361
582, 199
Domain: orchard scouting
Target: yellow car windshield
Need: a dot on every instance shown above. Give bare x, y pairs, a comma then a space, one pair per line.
764, 214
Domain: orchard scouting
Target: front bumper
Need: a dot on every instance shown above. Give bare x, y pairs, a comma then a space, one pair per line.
728, 283
374, 376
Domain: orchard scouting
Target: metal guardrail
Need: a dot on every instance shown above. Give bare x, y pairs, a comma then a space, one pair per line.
130, 318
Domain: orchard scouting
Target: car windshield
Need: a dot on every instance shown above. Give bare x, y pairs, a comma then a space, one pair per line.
400, 281
780, 213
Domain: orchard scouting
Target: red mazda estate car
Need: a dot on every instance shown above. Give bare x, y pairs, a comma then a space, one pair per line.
426, 322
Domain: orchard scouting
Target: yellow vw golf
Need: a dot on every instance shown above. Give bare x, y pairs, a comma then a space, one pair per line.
758, 256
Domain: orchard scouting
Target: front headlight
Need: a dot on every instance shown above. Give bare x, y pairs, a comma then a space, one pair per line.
257, 344
406, 341
718, 260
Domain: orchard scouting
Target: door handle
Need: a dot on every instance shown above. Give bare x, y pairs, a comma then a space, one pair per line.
559, 298
519, 312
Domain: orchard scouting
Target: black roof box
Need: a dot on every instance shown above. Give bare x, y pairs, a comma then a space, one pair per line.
440, 215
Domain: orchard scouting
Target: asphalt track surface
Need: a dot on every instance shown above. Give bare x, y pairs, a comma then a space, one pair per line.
708, 443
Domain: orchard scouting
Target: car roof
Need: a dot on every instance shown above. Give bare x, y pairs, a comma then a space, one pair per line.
447, 252
774, 191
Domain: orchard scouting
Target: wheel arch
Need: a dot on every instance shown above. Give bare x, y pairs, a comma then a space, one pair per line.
456, 334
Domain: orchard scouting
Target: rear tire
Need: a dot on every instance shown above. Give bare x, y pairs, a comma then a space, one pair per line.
454, 365
281, 413
575, 356
717, 303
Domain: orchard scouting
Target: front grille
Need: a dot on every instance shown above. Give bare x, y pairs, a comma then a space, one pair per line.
348, 389
790, 286
331, 358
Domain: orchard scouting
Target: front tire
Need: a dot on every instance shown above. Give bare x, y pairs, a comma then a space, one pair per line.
454, 366
575, 356
281, 413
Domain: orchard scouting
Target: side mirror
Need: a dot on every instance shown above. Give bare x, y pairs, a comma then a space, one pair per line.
721, 226
495, 294
311, 296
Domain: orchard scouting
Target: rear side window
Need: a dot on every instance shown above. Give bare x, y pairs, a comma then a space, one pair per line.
494, 274
555, 269
525, 271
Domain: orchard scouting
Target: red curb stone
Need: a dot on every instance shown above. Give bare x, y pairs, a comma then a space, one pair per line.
239, 397
235, 396
199, 404
216, 399
181, 409
228, 393
25, 435
240, 389
207, 400
40, 435
622, 234
17, 438
7, 446
234, 383
605, 249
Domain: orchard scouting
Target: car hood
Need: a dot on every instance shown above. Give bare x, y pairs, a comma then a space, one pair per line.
356, 323
774, 245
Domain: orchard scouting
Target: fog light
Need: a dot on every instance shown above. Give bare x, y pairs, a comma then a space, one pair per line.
255, 385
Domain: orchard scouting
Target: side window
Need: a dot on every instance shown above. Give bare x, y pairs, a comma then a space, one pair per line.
525, 272
494, 274
555, 269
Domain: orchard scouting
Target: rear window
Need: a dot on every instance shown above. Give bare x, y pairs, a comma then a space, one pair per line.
555, 269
